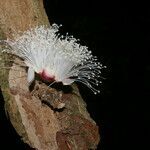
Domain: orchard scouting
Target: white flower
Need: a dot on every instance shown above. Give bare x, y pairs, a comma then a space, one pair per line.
54, 58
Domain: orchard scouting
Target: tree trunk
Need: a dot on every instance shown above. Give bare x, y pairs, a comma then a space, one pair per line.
45, 118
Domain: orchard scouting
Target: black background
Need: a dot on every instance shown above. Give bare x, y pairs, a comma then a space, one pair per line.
118, 33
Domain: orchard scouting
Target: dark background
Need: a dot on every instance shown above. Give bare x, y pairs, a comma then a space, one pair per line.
118, 33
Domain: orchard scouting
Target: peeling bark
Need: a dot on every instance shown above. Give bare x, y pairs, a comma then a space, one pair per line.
46, 118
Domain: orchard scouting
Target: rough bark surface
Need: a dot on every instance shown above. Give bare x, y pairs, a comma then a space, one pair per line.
46, 118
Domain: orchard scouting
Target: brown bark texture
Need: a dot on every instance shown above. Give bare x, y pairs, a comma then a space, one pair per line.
45, 118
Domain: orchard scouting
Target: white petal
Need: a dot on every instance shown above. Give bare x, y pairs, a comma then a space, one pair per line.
67, 81
31, 75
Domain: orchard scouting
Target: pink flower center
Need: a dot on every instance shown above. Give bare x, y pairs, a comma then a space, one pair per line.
45, 76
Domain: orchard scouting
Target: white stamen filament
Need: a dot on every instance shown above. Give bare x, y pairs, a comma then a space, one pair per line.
42, 48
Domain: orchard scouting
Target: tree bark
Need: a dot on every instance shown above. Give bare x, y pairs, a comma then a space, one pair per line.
45, 118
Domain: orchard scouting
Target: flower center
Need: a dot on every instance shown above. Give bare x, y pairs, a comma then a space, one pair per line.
46, 76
